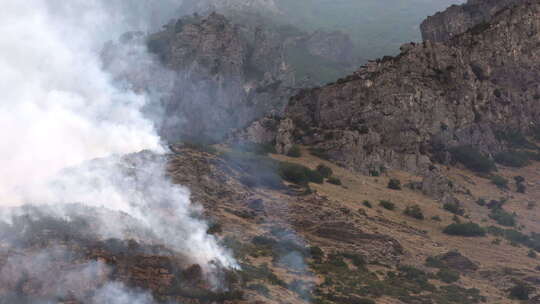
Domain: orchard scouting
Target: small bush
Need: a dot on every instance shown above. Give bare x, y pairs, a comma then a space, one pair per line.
320, 153
512, 159
448, 276
367, 204
454, 207
521, 188
394, 184
521, 291
503, 218
316, 252
472, 159
519, 179
436, 218
481, 202
325, 171
388, 205
294, 151
464, 229
532, 254
334, 180
499, 181
299, 174
414, 212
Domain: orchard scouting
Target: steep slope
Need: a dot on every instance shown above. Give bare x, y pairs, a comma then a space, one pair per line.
457, 19
407, 111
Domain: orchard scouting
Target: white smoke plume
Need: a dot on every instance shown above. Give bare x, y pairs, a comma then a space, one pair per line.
59, 109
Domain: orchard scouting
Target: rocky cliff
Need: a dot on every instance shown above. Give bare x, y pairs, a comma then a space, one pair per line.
457, 19
224, 75
400, 112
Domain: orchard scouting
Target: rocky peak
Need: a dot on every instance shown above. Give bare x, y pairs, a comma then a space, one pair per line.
457, 19
401, 112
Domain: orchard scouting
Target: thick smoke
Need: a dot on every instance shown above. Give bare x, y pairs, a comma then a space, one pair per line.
59, 109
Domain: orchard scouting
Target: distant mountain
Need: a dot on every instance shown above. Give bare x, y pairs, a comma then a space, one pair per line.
376, 27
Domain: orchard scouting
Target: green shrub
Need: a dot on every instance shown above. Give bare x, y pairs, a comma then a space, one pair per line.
472, 159
499, 181
503, 218
512, 159
367, 204
519, 179
320, 153
532, 254
388, 205
299, 174
464, 229
521, 291
316, 252
325, 171
394, 184
436, 218
414, 211
334, 180
521, 188
294, 151
516, 139
481, 202
448, 276
454, 207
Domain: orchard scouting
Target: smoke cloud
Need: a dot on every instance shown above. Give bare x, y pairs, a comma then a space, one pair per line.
60, 112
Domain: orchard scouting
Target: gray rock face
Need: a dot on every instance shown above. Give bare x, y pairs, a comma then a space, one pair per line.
220, 84
457, 19
399, 112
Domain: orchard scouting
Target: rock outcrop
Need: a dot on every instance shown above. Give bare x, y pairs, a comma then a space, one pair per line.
400, 111
457, 19
225, 75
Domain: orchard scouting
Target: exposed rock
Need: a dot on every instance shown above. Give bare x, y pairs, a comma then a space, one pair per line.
400, 111
457, 19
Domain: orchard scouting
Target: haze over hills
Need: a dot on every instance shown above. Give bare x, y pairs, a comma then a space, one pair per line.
224, 158
377, 28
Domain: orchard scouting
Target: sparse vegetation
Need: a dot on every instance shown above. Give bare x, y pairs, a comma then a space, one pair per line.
320, 153
499, 181
299, 174
454, 207
325, 171
394, 184
512, 159
414, 211
388, 205
436, 218
469, 229
447, 275
472, 159
503, 218
367, 204
295, 151
521, 291
334, 180
481, 202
